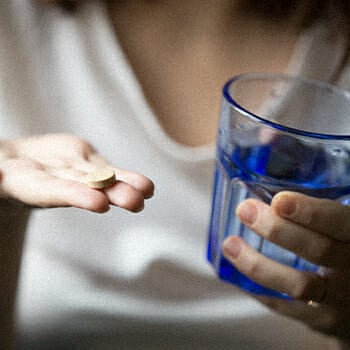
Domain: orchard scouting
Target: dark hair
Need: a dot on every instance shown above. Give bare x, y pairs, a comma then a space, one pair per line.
338, 10
335, 12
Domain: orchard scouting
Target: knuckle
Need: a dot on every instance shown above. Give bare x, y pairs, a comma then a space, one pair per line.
86, 149
324, 254
82, 145
302, 289
134, 201
310, 216
273, 231
253, 267
331, 253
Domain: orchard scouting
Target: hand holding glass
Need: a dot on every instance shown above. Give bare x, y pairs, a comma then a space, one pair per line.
276, 133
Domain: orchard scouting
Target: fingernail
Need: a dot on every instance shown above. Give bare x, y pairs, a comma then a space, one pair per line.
285, 206
137, 210
232, 248
247, 212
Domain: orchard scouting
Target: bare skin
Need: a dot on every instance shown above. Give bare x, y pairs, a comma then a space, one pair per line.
173, 47
317, 230
184, 51
50, 171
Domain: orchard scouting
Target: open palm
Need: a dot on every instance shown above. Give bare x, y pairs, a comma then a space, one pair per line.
50, 171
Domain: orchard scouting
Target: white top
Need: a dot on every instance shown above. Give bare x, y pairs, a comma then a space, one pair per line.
120, 280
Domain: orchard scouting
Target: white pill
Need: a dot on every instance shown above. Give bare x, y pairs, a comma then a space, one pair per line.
101, 178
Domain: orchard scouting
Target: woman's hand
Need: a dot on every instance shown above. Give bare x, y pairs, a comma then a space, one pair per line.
315, 229
50, 171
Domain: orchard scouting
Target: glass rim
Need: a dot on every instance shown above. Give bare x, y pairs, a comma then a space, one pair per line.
275, 125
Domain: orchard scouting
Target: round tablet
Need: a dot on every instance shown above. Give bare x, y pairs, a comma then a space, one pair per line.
101, 178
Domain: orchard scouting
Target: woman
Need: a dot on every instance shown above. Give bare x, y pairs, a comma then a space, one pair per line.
141, 82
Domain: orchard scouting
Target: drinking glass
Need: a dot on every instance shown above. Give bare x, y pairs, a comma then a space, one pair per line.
276, 133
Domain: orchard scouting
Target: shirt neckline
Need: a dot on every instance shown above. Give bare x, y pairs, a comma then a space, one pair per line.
305, 60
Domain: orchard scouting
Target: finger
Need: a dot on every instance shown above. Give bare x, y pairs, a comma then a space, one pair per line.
120, 194
321, 318
125, 196
322, 215
31, 184
284, 279
312, 246
291, 308
138, 181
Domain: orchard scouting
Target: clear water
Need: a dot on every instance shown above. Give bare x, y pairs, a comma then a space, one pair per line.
260, 172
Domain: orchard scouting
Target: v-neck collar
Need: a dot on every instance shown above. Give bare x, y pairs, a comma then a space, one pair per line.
315, 55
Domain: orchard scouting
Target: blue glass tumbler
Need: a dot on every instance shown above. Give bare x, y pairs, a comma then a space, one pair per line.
276, 132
